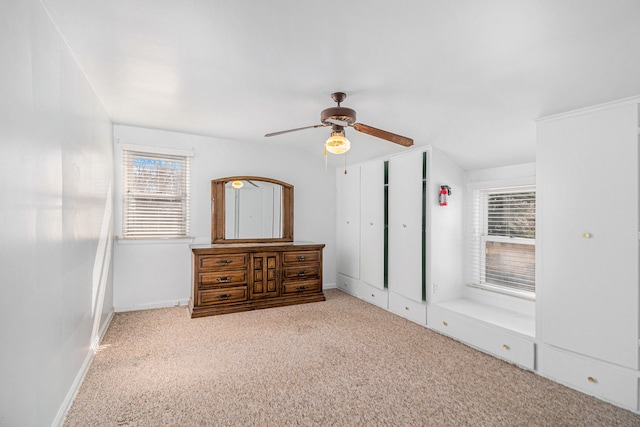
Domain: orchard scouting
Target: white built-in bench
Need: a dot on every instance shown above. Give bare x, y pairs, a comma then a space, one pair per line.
506, 334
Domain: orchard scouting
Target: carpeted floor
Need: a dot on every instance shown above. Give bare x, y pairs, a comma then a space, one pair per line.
341, 362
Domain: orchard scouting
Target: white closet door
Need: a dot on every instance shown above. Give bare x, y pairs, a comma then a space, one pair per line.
405, 225
588, 209
348, 221
372, 223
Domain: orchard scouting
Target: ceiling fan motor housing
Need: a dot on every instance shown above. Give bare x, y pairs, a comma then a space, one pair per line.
342, 114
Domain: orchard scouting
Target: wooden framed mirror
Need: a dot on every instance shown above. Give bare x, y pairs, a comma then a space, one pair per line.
251, 209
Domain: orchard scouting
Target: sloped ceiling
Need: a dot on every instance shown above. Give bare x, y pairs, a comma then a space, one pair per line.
467, 76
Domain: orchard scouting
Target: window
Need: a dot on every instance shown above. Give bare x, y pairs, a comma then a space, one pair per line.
156, 194
503, 231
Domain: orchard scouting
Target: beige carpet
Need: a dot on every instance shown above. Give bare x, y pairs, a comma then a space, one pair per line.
341, 362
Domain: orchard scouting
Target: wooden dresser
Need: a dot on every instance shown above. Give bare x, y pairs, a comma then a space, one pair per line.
234, 277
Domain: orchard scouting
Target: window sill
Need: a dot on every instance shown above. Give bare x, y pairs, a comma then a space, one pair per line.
530, 296
154, 240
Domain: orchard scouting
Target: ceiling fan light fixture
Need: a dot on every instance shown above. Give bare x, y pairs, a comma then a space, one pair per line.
337, 143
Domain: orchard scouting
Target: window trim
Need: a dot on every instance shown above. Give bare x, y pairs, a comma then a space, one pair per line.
473, 249
157, 151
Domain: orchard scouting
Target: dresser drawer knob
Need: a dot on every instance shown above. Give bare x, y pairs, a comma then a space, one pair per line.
224, 297
445, 323
223, 279
302, 288
224, 261
301, 258
302, 273
506, 347
592, 380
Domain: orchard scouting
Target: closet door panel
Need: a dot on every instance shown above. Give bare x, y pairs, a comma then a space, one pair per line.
405, 225
348, 218
372, 224
589, 209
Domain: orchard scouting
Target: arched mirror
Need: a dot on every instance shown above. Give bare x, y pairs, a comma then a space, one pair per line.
251, 209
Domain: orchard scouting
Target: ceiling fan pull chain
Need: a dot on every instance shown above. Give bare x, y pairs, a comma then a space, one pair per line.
325, 156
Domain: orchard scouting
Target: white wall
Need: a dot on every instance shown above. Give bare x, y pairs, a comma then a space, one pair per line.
446, 232
55, 216
156, 274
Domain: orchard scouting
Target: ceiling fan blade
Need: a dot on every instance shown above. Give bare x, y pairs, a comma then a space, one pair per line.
293, 130
383, 134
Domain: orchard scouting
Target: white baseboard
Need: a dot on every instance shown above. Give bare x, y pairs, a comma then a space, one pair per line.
75, 387
329, 285
152, 305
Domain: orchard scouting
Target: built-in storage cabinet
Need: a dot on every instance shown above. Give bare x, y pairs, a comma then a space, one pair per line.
406, 208
372, 224
588, 250
586, 329
396, 197
588, 167
348, 221
229, 278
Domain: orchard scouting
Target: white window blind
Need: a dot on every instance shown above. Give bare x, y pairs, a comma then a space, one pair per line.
502, 239
156, 195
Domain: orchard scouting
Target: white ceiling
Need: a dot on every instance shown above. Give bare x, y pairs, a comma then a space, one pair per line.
467, 76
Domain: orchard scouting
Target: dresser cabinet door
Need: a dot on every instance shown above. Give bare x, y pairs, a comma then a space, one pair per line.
264, 280
588, 211
372, 224
405, 225
348, 221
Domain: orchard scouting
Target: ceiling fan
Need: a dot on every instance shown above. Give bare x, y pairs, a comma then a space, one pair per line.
341, 117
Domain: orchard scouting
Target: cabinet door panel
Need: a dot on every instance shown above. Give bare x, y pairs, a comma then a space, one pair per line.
589, 214
405, 225
372, 224
348, 217
264, 280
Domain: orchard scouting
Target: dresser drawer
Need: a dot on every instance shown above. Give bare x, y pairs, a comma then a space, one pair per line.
301, 272
223, 296
301, 257
304, 286
222, 262
590, 376
223, 278
497, 342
